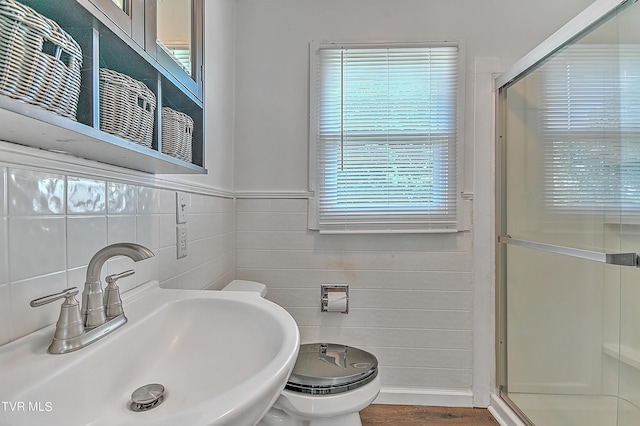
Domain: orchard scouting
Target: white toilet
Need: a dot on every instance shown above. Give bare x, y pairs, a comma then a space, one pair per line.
329, 384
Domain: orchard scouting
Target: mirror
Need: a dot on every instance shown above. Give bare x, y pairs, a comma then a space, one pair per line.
174, 18
122, 4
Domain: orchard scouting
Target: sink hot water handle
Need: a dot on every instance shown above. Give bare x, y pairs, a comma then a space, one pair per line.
69, 323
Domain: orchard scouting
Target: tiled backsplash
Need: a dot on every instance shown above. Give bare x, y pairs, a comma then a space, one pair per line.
51, 225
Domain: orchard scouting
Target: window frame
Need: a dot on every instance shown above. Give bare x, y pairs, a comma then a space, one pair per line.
462, 209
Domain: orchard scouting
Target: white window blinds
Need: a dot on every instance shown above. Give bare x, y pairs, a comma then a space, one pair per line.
591, 128
386, 137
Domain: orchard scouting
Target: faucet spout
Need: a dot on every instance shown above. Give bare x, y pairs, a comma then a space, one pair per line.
133, 251
93, 313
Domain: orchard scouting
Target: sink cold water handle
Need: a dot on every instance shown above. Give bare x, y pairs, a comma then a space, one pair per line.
112, 300
69, 323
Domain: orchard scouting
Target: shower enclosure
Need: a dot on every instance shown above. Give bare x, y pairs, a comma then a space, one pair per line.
569, 224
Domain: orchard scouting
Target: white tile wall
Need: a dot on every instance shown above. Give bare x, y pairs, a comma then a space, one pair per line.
120, 228
411, 296
24, 319
5, 290
85, 236
3, 192
35, 193
122, 198
4, 255
86, 196
5, 306
51, 224
36, 246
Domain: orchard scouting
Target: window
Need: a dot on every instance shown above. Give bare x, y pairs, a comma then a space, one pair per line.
384, 137
591, 127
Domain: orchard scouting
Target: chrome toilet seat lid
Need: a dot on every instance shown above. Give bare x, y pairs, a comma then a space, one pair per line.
328, 368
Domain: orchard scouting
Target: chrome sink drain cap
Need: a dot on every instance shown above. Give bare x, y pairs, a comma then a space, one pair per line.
147, 397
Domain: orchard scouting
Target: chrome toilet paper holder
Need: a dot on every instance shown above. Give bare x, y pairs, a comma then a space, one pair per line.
325, 289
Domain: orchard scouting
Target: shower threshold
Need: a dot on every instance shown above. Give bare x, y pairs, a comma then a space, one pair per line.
576, 410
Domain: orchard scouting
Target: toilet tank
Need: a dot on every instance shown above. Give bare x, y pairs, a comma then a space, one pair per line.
243, 285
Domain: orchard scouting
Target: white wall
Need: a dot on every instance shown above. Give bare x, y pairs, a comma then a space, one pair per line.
272, 62
56, 211
421, 303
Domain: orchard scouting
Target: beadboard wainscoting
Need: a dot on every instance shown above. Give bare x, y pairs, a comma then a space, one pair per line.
52, 221
411, 295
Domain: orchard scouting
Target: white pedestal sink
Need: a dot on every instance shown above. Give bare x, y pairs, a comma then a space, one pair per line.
222, 357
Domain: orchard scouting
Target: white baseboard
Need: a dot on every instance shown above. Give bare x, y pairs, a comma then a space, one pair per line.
431, 397
502, 413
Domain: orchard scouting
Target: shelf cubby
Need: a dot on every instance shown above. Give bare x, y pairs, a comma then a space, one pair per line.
103, 44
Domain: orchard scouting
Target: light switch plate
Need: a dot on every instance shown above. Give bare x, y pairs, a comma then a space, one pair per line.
181, 207
181, 238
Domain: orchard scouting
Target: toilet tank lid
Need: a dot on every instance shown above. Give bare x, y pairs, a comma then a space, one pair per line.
242, 285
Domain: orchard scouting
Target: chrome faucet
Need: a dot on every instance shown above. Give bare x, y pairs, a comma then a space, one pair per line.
93, 306
100, 314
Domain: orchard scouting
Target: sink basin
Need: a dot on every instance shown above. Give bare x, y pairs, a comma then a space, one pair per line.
222, 357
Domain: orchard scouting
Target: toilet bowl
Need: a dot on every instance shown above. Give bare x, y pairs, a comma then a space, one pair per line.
329, 385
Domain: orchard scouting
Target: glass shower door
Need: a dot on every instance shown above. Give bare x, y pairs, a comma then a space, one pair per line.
554, 285
570, 217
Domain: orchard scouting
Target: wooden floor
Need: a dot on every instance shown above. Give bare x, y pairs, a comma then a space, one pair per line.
413, 415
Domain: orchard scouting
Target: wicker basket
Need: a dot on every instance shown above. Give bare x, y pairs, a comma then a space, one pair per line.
177, 132
127, 107
39, 62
